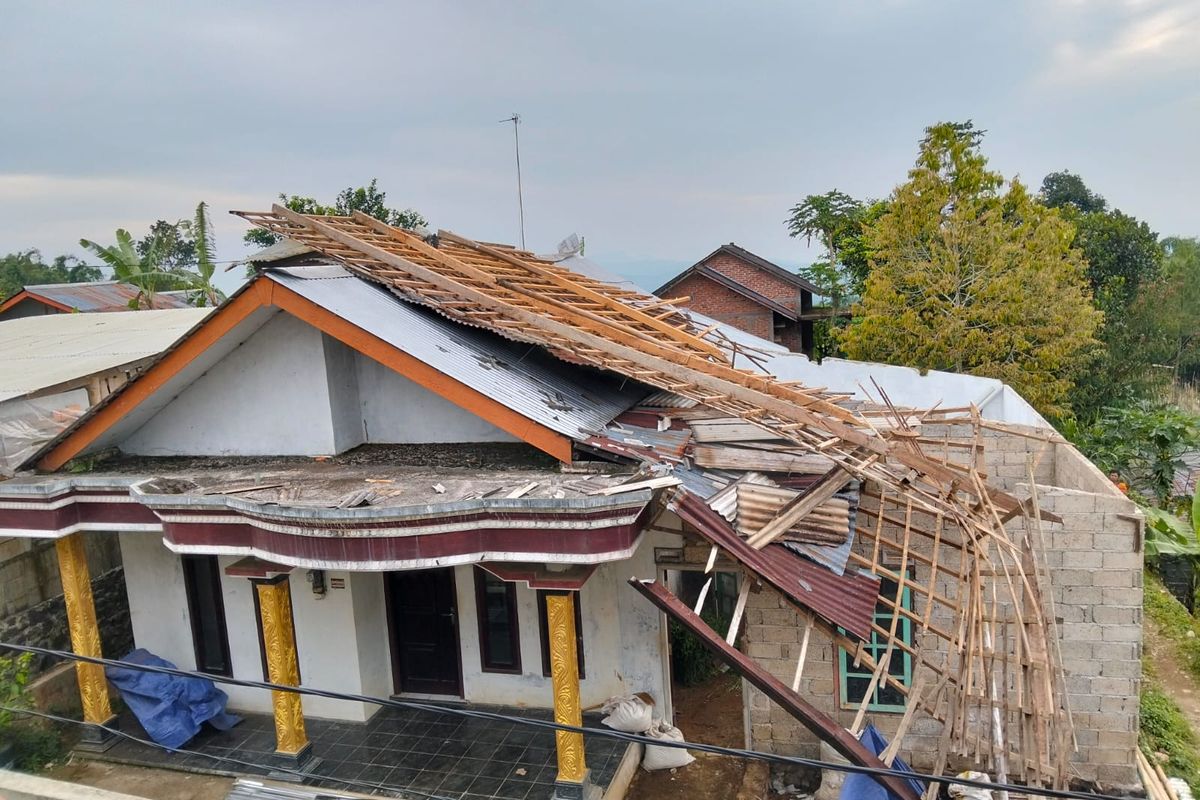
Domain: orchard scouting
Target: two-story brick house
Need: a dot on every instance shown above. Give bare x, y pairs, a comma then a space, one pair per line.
737, 287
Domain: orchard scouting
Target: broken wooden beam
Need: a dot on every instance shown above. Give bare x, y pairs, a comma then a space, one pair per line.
828, 730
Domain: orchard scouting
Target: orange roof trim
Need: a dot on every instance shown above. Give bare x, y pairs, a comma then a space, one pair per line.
265, 293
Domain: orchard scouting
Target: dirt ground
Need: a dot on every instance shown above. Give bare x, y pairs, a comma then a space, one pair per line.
152, 784
1178, 684
710, 713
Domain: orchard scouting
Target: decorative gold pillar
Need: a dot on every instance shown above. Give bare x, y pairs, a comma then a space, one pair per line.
279, 643
85, 635
564, 677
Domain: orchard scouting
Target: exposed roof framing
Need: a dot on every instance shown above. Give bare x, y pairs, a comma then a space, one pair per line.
520, 296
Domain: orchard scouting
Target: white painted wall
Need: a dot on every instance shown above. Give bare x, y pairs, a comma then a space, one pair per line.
291, 390
343, 642
371, 631
621, 640
158, 606
341, 370
397, 411
268, 397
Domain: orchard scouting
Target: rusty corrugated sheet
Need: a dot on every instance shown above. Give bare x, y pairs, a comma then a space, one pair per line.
102, 296
847, 600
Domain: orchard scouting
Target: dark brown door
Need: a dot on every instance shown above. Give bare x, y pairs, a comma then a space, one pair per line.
202, 581
425, 631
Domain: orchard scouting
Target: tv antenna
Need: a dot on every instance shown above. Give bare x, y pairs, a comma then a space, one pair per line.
515, 119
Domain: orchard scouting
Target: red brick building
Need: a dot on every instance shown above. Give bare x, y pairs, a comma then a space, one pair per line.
734, 286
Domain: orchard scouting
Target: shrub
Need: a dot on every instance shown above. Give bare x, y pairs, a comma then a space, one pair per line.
691, 662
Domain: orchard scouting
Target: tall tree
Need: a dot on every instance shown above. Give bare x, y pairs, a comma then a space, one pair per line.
367, 199
1123, 254
180, 252
971, 274
26, 268
206, 266
1062, 189
831, 219
1167, 313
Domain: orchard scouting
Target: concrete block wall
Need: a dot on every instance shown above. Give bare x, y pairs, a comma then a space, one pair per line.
1094, 560
31, 604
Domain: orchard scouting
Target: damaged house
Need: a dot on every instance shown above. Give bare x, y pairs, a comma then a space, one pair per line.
427, 466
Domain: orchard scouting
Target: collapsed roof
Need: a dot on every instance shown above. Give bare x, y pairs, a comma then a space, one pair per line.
717, 417
933, 499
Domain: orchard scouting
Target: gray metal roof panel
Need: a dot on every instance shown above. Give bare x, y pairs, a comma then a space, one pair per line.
573, 401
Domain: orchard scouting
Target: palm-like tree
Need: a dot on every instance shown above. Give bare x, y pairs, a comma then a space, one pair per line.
206, 264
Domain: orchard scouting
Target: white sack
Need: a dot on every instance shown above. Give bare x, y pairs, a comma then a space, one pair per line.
630, 714
665, 757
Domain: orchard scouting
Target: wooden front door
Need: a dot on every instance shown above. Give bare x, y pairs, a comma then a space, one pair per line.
424, 621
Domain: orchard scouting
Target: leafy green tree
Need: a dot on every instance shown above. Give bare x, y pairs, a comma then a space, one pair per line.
26, 268
142, 271
1062, 189
971, 274
206, 267
181, 252
1123, 254
367, 199
830, 218
1167, 312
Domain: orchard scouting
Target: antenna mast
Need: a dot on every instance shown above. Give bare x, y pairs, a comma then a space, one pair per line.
515, 119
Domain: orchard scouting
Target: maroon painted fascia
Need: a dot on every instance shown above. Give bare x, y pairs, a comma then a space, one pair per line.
232, 529
55, 520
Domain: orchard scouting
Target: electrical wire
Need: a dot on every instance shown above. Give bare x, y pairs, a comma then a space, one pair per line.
1064, 794
399, 791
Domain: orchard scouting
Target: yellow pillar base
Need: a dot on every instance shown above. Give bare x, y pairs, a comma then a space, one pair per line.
279, 643
85, 634
564, 678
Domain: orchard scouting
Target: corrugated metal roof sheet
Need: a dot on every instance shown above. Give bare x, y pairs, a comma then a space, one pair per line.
575, 402
847, 600
102, 296
40, 352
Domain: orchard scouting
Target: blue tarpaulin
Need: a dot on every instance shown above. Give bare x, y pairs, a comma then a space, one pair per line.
171, 708
864, 787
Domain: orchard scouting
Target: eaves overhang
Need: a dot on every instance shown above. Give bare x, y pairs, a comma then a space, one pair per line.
576, 530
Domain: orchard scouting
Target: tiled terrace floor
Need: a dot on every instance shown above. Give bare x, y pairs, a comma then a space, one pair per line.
428, 754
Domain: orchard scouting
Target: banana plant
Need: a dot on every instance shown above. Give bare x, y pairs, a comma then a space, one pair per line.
143, 272
1168, 534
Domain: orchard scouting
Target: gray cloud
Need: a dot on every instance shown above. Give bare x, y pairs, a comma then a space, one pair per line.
657, 130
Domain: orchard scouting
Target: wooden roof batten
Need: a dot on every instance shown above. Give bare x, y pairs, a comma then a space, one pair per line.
506, 293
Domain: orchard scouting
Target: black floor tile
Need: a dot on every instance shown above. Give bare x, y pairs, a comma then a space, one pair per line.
472, 759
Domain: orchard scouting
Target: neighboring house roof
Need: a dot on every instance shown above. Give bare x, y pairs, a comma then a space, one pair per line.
91, 297
40, 353
748, 257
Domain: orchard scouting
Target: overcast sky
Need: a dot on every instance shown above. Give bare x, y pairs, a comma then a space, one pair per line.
656, 130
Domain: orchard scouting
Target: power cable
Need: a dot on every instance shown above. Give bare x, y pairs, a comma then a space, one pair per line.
1065, 794
399, 791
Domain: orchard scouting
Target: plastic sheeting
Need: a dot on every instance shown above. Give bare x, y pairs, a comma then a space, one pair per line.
26, 425
171, 708
864, 787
